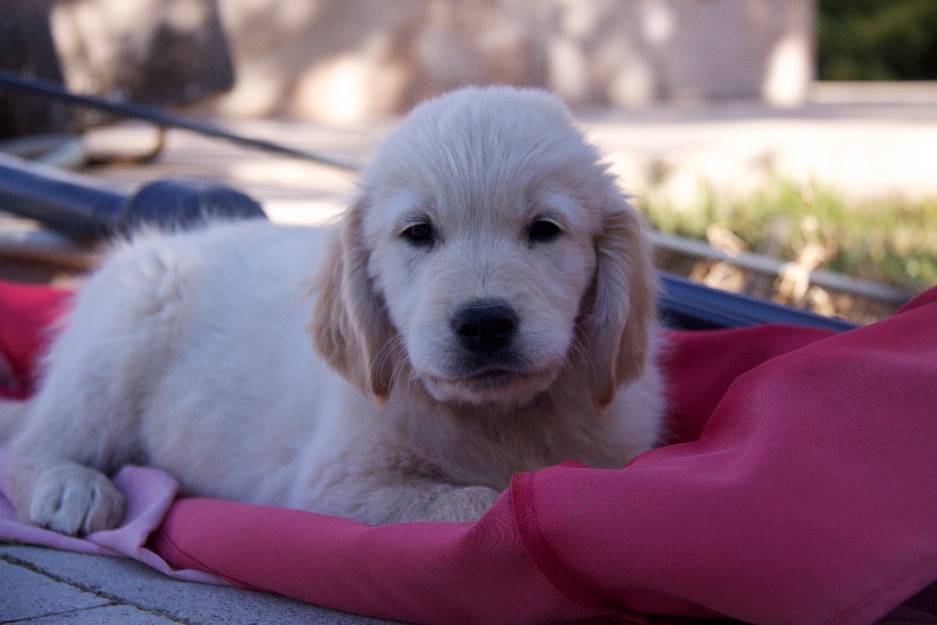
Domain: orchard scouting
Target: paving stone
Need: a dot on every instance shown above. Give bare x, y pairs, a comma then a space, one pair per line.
26, 594
108, 615
126, 582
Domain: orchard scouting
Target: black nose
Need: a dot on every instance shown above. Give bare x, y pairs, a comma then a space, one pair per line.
484, 325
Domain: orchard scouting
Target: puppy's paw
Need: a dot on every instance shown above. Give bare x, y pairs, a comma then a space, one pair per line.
75, 500
466, 503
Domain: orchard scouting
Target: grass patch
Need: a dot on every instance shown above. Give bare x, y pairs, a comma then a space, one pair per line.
888, 240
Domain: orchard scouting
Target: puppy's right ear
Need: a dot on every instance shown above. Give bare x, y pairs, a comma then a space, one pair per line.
350, 327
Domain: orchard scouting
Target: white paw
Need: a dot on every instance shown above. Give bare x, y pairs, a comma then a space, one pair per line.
76, 500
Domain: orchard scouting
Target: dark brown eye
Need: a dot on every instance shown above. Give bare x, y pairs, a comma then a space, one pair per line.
420, 234
543, 231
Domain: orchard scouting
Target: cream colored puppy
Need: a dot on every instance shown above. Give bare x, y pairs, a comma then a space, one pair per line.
485, 307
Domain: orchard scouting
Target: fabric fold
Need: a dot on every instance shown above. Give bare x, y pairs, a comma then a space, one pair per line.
429, 573
809, 497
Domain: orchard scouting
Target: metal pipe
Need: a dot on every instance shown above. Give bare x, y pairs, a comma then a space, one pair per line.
162, 118
60, 199
775, 267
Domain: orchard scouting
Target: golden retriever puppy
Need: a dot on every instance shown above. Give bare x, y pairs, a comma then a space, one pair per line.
485, 307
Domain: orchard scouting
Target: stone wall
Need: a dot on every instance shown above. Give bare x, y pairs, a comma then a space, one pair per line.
164, 52
347, 60
350, 59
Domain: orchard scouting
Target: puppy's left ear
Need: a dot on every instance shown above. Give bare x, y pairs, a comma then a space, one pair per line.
622, 315
350, 327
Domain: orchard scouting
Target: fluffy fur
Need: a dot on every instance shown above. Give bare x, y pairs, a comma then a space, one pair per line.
485, 307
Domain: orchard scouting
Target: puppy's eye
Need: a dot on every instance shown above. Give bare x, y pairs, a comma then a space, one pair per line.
420, 234
543, 231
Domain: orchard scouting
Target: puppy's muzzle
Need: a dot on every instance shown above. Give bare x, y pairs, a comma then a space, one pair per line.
484, 327
490, 362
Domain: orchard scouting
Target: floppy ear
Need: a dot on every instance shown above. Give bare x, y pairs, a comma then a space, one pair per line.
350, 327
622, 315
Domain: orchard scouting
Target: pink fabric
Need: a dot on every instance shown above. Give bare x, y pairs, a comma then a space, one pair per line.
441, 573
801, 488
26, 313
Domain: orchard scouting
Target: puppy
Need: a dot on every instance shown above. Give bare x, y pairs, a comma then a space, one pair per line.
485, 307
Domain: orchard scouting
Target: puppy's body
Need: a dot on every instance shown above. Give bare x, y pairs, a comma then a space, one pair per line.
485, 308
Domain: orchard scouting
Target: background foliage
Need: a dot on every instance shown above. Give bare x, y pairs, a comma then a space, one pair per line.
877, 40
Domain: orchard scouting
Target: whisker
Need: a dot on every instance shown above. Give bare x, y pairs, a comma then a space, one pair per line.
383, 354
584, 355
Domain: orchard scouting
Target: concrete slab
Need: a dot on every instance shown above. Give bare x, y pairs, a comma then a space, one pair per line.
109, 615
38, 586
27, 594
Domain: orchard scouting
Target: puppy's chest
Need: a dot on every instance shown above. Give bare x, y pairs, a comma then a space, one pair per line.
489, 451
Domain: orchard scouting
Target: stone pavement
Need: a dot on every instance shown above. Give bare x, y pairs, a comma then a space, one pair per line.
45, 587
867, 141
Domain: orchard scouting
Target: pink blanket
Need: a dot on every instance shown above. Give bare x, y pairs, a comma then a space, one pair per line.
801, 488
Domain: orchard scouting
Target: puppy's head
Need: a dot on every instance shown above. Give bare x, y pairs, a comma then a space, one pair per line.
486, 254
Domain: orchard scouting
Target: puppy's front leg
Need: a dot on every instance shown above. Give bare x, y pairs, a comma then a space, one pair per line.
55, 474
65, 496
382, 501
444, 503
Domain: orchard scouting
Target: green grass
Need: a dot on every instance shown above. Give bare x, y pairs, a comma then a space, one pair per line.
889, 240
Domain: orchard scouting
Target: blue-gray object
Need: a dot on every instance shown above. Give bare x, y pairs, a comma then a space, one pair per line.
76, 206
180, 204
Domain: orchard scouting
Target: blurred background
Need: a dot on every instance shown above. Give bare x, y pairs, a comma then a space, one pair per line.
783, 148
